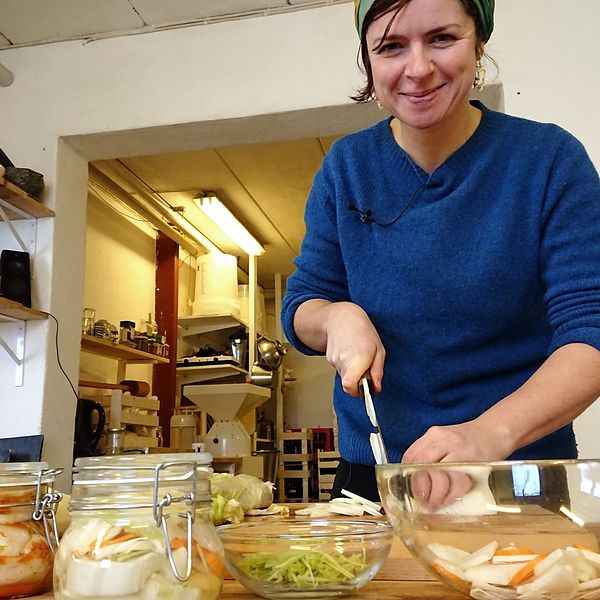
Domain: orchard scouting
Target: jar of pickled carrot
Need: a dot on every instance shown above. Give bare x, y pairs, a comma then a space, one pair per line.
140, 528
28, 534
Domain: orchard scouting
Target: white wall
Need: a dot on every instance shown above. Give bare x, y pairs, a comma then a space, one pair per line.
119, 281
165, 91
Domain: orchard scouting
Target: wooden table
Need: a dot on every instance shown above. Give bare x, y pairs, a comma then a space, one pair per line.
400, 578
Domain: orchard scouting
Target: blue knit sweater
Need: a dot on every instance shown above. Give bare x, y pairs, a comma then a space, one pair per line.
493, 264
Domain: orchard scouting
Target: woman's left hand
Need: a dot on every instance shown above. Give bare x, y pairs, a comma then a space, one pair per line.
464, 442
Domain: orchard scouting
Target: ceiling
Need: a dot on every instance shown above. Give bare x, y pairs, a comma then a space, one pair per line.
31, 22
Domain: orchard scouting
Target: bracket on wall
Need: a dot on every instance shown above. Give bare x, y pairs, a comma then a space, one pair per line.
29, 219
17, 354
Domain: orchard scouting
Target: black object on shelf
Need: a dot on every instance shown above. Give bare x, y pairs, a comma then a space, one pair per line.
15, 276
28, 180
4, 160
26, 448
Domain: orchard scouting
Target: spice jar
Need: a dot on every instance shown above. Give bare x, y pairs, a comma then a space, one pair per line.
28, 533
140, 527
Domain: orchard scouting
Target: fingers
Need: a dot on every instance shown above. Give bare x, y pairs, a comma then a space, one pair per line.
376, 370
354, 346
437, 488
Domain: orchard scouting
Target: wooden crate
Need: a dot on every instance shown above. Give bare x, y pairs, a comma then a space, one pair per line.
135, 410
327, 463
296, 464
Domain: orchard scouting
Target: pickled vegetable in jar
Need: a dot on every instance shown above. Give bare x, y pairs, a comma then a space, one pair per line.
28, 535
140, 529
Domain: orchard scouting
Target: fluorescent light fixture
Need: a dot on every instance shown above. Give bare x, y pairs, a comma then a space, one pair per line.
217, 212
6, 77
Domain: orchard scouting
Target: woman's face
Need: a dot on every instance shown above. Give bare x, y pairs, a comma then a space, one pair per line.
424, 70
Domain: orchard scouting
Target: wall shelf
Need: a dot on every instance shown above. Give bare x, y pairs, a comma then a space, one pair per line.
19, 204
15, 311
96, 345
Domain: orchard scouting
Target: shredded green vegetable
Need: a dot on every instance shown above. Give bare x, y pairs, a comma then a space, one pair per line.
304, 568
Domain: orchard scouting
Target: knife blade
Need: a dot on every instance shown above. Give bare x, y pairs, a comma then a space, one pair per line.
375, 438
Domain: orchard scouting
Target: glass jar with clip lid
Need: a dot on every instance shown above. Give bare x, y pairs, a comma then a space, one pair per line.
140, 528
28, 530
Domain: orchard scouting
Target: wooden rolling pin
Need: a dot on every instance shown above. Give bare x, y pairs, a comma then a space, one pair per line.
135, 388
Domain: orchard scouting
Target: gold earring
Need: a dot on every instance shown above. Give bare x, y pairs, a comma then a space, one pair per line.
480, 73
379, 105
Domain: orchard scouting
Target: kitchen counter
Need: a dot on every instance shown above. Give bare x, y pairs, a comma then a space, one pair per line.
400, 578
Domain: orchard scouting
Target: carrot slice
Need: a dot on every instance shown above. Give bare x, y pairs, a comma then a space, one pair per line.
213, 561
121, 537
450, 576
584, 547
178, 543
22, 589
526, 572
513, 551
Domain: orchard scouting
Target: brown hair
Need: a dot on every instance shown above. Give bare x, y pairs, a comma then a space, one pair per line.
382, 7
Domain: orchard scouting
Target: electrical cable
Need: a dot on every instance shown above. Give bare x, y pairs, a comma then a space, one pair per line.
58, 355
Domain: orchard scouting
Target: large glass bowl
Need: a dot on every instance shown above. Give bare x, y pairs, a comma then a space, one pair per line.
291, 558
505, 530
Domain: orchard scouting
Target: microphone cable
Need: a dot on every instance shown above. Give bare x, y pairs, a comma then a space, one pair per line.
367, 217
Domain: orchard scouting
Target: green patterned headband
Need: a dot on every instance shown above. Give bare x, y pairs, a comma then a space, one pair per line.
485, 8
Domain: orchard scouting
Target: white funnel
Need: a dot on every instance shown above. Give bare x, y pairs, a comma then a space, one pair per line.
226, 401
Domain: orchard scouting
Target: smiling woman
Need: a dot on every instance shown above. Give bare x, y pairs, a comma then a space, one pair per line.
454, 264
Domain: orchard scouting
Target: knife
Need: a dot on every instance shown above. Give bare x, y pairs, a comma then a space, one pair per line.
375, 438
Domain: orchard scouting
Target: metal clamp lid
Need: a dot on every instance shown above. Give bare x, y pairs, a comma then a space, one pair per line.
161, 520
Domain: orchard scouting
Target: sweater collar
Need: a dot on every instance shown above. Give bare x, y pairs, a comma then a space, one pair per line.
469, 152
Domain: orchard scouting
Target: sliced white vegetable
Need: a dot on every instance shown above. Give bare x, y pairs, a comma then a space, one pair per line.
593, 557
513, 558
451, 567
549, 561
484, 591
106, 578
558, 579
136, 544
449, 553
593, 584
352, 510
479, 556
488, 573
362, 500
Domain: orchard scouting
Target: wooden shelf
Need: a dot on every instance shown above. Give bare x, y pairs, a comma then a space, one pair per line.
17, 198
203, 324
96, 345
15, 310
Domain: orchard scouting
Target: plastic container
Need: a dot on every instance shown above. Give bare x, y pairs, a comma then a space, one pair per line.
183, 431
140, 530
244, 297
28, 533
216, 285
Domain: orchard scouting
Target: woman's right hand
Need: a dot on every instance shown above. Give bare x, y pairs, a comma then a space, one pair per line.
345, 334
353, 346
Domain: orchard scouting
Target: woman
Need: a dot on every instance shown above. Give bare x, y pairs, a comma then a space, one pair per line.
452, 253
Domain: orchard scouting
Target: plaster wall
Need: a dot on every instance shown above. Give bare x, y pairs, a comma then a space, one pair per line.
175, 90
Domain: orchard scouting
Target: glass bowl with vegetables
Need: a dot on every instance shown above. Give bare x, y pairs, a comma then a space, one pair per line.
505, 530
292, 558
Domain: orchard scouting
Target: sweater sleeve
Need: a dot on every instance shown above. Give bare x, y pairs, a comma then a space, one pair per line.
570, 247
320, 270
